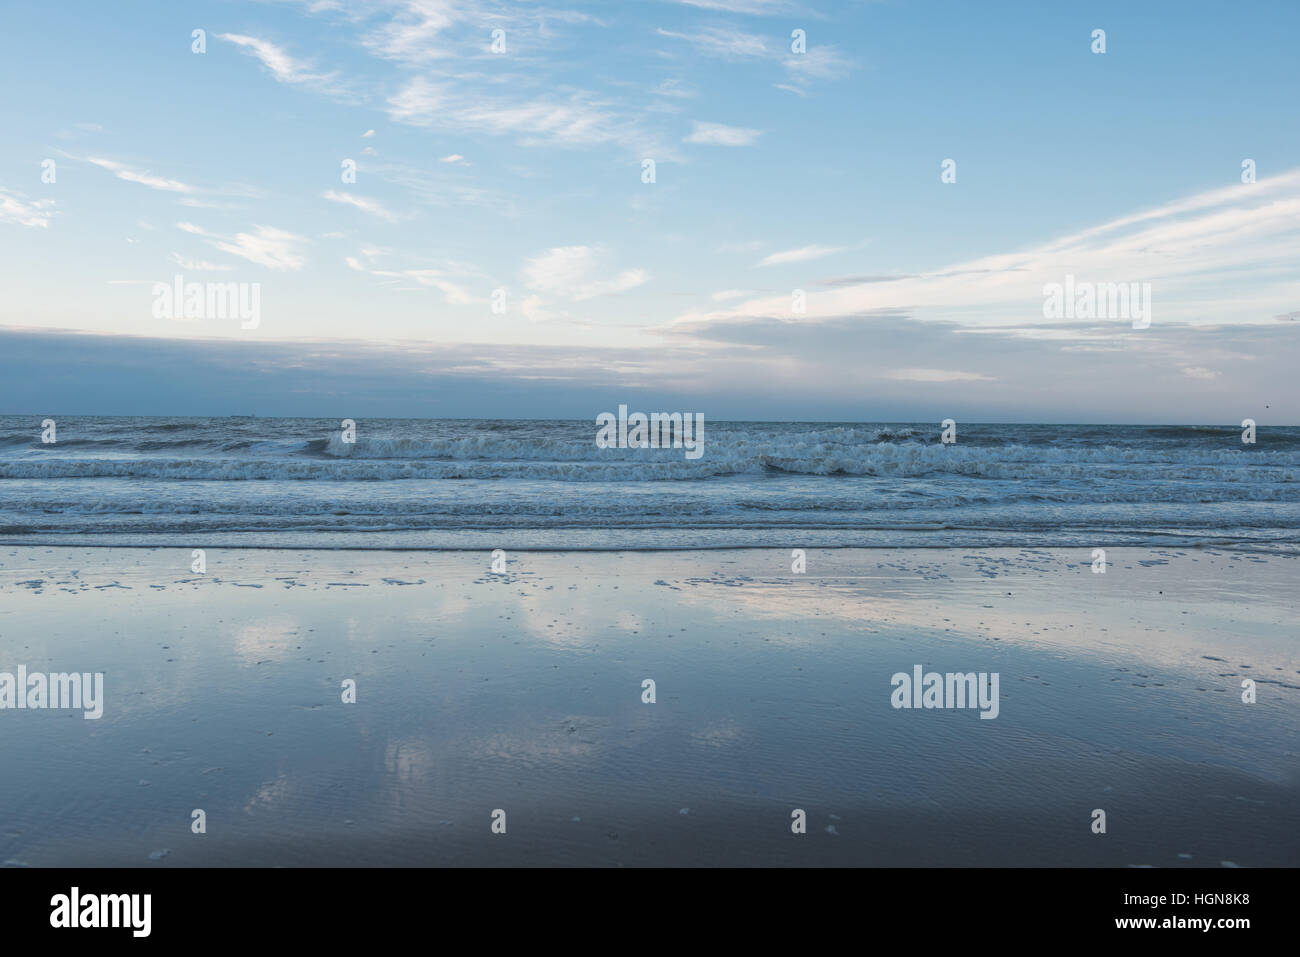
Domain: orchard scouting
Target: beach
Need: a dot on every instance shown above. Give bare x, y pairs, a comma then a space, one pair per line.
523, 692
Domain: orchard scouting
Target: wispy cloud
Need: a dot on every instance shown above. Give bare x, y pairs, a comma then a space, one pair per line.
193, 203
756, 7
800, 255
724, 42
570, 273
676, 89
819, 63
196, 265
574, 120
371, 206
937, 375
24, 212
446, 40
283, 67
425, 32
143, 177
718, 134
416, 33
266, 246
455, 293
443, 186
1186, 249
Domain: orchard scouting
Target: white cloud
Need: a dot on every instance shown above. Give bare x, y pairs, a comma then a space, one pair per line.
937, 375
196, 265
373, 207
413, 35
820, 62
724, 43
453, 158
440, 186
561, 269
535, 310
143, 178
803, 254
579, 119
282, 66
1198, 372
420, 32
756, 7
454, 293
676, 89
1187, 249
25, 212
569, 272
367, 133
717, 134
265, 246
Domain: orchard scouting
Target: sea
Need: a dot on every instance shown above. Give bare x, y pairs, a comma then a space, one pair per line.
546, 485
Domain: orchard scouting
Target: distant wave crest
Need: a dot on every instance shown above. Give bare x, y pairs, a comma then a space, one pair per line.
489, 457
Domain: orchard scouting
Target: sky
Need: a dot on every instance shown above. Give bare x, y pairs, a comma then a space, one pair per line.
855, 213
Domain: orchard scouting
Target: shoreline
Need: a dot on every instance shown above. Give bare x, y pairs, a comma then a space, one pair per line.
797, 538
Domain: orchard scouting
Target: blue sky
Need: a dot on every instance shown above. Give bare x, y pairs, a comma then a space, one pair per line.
775, 171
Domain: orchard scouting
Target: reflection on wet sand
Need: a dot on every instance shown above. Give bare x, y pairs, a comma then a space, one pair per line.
523, 692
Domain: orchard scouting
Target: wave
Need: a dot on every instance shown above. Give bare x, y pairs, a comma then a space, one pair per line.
561, 447
423, 482
1193, 431
399, 459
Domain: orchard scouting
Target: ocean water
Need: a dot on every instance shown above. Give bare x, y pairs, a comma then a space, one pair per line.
538, 484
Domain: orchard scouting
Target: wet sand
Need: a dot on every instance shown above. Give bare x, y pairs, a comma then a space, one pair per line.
523, 692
